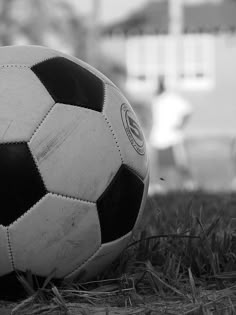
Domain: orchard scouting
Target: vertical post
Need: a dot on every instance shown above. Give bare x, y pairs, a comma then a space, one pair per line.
175, 33
93, 35
6, 24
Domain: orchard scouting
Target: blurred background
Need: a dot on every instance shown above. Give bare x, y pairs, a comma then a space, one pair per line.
173, 59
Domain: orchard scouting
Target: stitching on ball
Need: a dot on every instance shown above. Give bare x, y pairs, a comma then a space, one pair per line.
13, 142
114, 137
44, 197
27, 212
41, 61
36, 164
113, 85
87, 67
83, 263
10, 251
113, 134
102, 77
72, 198
136, 171
104, 95
81, 64
14, 66
41, 122
80, 106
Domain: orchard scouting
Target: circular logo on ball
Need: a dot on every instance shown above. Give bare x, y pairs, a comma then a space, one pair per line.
132, 129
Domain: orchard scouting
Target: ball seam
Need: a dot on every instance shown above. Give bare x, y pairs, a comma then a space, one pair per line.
38, 169
13, 142
26, 213
111, 128
41, 199
89, 68
114, 137
14, 66
83, 263
45, 115
10, 250
71, 197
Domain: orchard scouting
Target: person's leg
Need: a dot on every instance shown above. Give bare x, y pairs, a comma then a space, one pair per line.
233, 162
155, 184
153, 158
183, 167
167, 175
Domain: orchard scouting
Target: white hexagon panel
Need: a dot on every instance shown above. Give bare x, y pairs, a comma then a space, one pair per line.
61, 232
75, 152
24, 103
107, 253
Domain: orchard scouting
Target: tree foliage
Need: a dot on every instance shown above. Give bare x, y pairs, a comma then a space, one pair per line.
54, 23
57, 24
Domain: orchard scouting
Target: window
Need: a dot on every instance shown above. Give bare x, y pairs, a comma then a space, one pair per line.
188, 65
196, 68
146, 59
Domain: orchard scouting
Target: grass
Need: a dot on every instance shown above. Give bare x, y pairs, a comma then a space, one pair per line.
181, 260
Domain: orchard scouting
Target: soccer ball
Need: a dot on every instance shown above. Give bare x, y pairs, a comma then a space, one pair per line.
74, 167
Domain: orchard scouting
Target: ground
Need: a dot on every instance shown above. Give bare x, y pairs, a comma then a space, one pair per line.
182, 260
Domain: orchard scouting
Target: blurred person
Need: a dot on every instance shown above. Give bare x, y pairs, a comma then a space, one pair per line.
170, 113
233, 162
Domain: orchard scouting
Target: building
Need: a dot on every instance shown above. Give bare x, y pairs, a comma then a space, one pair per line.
198, 60
200, 65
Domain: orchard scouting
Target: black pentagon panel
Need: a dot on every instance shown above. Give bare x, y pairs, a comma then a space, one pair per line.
21, 185
69, 83
119, 205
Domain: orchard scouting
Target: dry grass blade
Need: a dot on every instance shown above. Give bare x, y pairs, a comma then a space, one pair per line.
186, 266
151, 270
21, 306
230, 275
48, 279
59, 300
26, 283
207, 245
233, 306
192, 286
